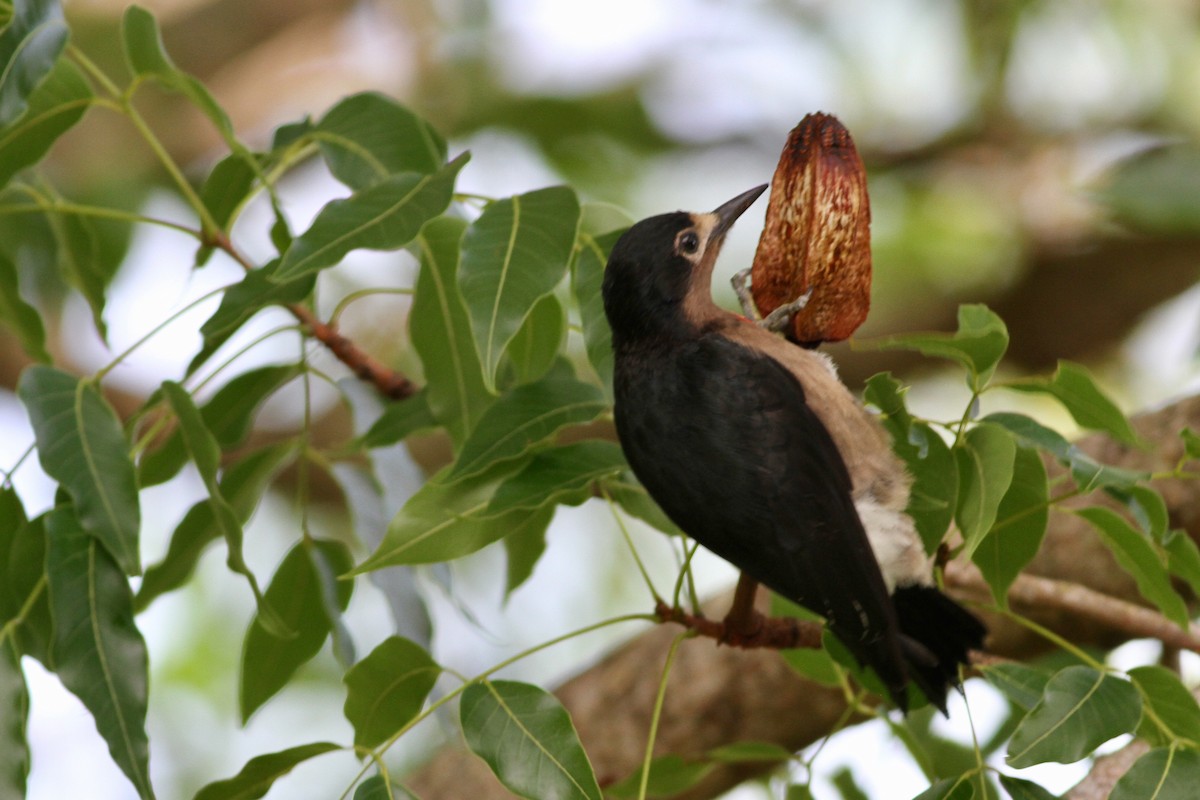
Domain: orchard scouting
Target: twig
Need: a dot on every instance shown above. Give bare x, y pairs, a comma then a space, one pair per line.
774, 633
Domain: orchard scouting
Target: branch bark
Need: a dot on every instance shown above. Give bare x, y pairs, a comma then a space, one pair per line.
719, 695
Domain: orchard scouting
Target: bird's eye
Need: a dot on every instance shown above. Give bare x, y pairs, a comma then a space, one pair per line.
689, 243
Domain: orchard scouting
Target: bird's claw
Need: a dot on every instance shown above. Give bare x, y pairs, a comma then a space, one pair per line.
741, 288
780, 318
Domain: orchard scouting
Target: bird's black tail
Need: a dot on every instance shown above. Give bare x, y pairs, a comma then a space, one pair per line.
935, 635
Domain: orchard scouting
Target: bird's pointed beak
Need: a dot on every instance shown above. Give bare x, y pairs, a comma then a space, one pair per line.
727, 213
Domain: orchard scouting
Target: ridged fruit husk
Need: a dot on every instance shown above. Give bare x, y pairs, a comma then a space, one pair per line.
817, 234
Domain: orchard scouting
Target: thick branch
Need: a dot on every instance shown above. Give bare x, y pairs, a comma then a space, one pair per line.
718, 695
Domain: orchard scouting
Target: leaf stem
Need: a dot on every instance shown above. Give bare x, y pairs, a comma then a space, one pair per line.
612, 507
659, 699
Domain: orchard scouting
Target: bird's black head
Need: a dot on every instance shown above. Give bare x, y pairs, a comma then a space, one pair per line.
658, 278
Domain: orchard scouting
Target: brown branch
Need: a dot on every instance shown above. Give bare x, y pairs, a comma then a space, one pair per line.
751, 631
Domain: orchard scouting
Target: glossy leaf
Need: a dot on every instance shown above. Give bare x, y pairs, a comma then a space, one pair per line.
537, 343
1161, 774
1167, 702
670, 776
515, 253
98, 651
387, 689
14, 699
243, 485
559, 475
30, 45
261, 772
369, 137
18, 316
54, 106
1076, 389
400, 420
269, 661
441, 332
444, 521
1081, 709
959, 788
1138, 557
258, 290
1020, 525
1021, 789
978, 345
527, 738
1088, 473
587, 275
525, 416
81, 445
384, 216
1021, 684
985, 471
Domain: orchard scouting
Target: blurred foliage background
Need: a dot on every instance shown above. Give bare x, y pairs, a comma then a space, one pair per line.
1040, 157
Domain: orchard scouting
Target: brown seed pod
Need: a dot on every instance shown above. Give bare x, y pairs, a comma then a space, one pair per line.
817, 234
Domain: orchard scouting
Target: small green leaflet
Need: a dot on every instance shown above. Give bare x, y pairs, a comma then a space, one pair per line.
261, 772
527, 738
587, 275
1081, 709
369, 137
81, 445
385, 216
98, 651
979, 343
1168, 703
1020, 525
1161, 774
20, 317
516, 252
1076, 389
562, 474
14, 698
386, 689
55, 105
985, 471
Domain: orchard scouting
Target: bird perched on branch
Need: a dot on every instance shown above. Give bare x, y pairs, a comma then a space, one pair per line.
755, 448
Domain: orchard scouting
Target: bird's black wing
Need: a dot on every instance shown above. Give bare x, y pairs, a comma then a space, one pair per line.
722, 438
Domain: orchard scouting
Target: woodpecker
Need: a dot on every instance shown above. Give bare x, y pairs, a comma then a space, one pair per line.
754, 447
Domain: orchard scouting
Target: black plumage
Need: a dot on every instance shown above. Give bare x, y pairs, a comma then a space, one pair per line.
725, 438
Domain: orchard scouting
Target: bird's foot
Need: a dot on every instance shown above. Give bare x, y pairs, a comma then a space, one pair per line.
741, 288
779, 319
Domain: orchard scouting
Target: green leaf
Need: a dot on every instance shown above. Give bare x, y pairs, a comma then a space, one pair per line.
525, 416
228, 415
978, 345
934, 493
844, 781
1021, 684
1168, 702
400, 420
443, 521
1156, 191
559, 475
1081, 709
30, 45
147, 58
261, 772
368, 137
98, 652
1137, 556
55, 105
1088, 473
670, 775
516, 252
957, 788
1021, 789
387, 689
527, 738
1191, 443
376, 788
14, 699
384, 216
1161, 774
242, 485
80, 444
23, 578
1076, 389
1020, 525
523, 548
441, 332
535, 347
1183, 557
227, 186
259, 289
985, 462
587, 275
86, 262
270, 661
20, 317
